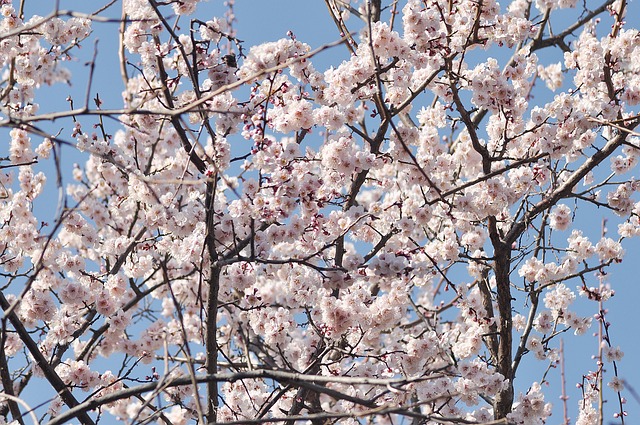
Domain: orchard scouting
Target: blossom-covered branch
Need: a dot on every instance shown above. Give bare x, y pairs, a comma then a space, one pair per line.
380, 229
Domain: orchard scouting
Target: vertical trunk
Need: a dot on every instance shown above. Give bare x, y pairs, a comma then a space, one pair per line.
504, 399
212, 307
212, 344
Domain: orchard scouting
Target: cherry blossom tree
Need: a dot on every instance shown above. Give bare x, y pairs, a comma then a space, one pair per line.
253, 238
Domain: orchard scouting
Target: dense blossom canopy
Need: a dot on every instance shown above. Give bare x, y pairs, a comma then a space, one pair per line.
252, 238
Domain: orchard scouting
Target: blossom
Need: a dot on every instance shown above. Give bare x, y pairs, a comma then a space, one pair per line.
608, 249
560, 217
612, 354
20, 149
551, 75
559, 299
531, 408
616, 384
580, 247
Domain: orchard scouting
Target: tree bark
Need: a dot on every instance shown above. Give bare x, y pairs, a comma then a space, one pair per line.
504, 398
